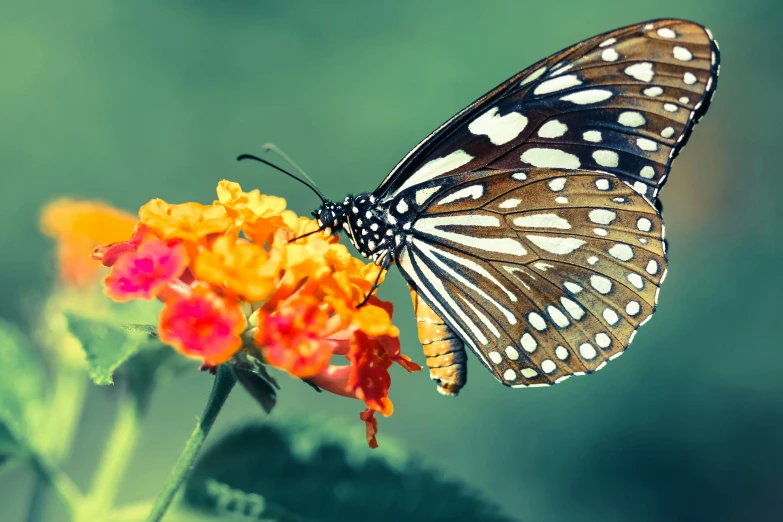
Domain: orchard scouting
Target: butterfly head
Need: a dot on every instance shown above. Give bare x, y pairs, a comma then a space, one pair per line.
330, 215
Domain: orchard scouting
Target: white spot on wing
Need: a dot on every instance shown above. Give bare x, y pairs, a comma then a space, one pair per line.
641, 71
557, 184
587, 351
632, 308
588, 96
528, 342
535, 75
572, 308
665, 32
435, 168
473, 191
602, 284
557, 316
681, 53
592, 136
503, 245
510, 203
552, 129
609, 55
603, 340
536, 321
550, 158
557, 245
424, 194
631, 119
499, 129
542, 221
622, 252
557, 84
606, 158
611, 317
652, 92
646, 145
602, 216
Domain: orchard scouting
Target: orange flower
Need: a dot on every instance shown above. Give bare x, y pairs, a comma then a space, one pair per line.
203, 326
144, 273
285, 293
79, 227
260, 216
371, 425
296, 337
240, 266
187, 221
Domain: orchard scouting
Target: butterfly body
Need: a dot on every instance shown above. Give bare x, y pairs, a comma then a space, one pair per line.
528, 226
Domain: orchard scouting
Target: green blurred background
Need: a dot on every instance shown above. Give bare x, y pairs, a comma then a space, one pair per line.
127, 101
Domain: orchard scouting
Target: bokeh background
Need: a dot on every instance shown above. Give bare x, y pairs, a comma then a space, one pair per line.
126, 101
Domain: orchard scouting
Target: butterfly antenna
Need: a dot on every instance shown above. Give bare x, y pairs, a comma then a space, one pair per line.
280, 169
271, 147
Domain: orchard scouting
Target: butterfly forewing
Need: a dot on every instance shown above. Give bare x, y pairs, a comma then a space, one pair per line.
573, 271
622, 102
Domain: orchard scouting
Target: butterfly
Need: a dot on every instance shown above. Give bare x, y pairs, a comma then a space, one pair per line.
528, 226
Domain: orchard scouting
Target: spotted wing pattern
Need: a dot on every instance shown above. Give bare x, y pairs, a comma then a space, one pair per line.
544, 273
623, 102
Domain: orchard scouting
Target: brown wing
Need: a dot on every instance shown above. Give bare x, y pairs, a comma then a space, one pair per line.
622, 102
541, 290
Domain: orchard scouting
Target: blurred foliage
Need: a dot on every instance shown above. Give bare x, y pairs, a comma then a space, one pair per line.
106, 346
131, 351
127, 101
22, 394
308, 472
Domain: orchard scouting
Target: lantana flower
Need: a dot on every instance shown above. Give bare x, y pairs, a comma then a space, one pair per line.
243, 275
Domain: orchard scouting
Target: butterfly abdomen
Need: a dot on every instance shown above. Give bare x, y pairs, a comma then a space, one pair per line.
445, 351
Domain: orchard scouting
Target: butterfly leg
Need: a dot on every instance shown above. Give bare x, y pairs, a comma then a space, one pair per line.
445, 351
384, 265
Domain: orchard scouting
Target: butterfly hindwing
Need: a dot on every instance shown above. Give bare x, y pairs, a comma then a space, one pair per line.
544, 273
622, 102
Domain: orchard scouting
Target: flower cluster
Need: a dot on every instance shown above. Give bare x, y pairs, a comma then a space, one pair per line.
78, 227
233, 277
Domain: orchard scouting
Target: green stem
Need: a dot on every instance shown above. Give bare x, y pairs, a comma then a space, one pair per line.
37, 499
114, 461
70, 385
65, 411
221, 388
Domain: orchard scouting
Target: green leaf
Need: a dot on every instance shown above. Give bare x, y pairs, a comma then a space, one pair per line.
255, 379
22, 393
153, 365
131, 352
106, 345
311, 472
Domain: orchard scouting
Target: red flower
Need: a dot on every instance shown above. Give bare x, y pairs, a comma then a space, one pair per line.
143, 273
295, 337
203, 325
